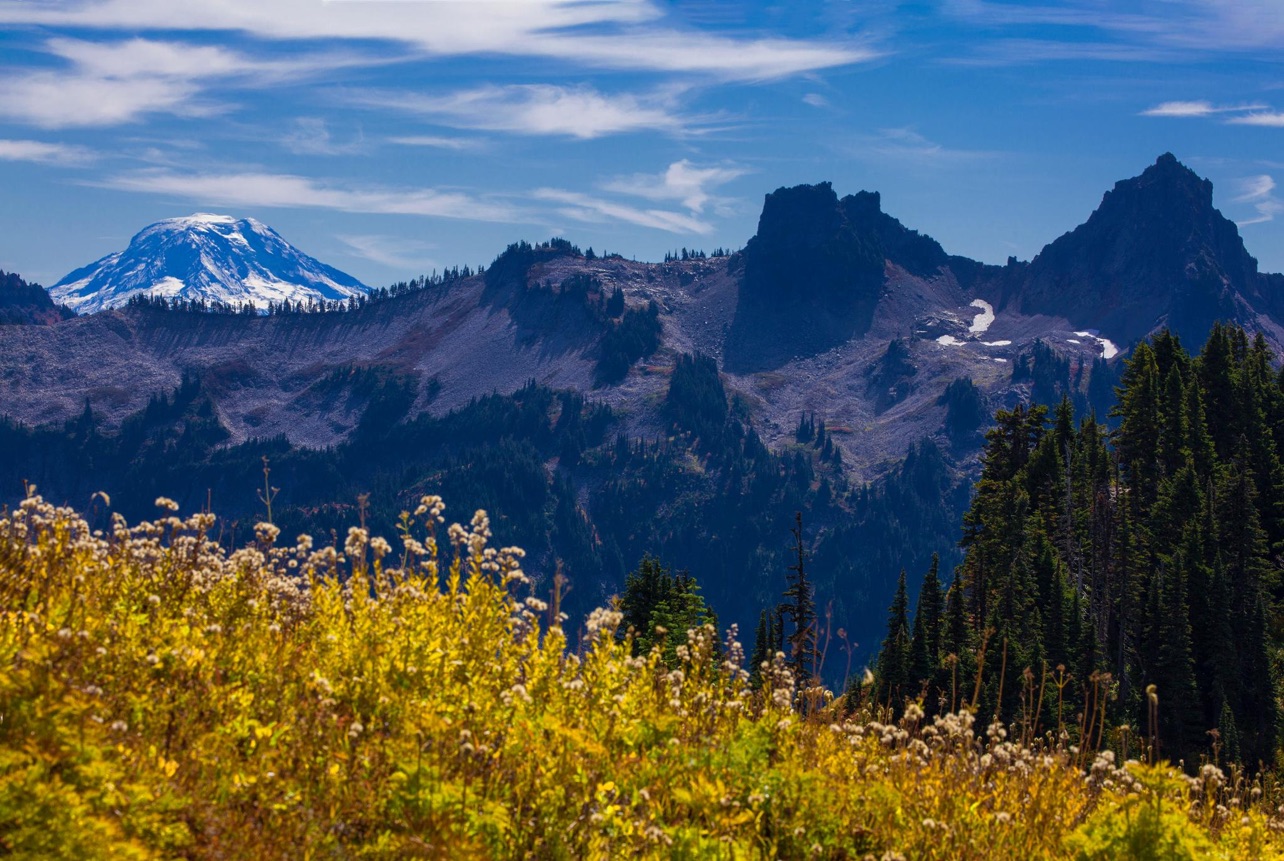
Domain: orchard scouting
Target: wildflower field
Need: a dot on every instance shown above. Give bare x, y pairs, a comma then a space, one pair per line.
161, 697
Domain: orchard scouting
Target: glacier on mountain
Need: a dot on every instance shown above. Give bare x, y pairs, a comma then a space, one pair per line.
216, 258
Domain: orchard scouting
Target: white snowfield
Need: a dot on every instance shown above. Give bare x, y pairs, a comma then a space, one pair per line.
1108, 348
218, 258
981, 322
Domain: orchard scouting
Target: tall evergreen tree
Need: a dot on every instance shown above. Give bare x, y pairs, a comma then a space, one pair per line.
925, 641
894, 658
957, 646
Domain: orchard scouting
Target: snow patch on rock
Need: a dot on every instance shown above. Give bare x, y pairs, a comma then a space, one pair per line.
1108, 348
981, 322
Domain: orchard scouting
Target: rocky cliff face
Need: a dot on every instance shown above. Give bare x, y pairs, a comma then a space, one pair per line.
1154, 253
916, 253
811, 279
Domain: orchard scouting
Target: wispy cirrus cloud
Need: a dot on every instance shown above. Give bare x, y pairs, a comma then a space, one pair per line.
1008, 51
1196, 109
1235, 115
1271, 119
39, 152
596, 210
111, 83
1259, 192
312, 136
436, 142
540, 109
682, 182
263, 189
624, 34
1171, 31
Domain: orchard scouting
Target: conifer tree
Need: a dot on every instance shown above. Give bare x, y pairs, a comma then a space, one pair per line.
957, 646
925, 643
1198, 441
1139, 429
894, 659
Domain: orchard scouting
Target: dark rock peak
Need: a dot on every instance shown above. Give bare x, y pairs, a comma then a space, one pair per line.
1156, 251
1165, 190
801, 216
811, 279
913, 251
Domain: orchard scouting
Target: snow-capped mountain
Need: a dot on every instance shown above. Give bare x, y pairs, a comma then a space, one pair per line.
204, 256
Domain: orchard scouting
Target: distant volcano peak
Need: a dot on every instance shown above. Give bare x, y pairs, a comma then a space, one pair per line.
205, 256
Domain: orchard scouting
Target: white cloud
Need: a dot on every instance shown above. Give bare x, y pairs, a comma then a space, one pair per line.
1180, 109
102, 84
52, 100
436, 141
1167, 31
816, 100
1259, 191
1271, 119
624, 34
1198, 109
682, 182
538, 109
251, 189
40, 152
583, 207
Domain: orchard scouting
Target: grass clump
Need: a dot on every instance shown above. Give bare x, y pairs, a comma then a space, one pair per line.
161, 697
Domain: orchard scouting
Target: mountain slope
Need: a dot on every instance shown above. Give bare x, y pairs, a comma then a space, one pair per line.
204, 257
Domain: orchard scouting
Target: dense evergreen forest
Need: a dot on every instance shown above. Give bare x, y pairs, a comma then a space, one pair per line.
1131, 576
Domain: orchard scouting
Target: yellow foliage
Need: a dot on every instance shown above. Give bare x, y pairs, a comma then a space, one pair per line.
162, 698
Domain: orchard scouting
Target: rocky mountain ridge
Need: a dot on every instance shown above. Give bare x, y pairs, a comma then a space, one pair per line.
833, 308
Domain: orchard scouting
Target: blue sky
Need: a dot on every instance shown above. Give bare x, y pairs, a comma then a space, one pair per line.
391, 137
